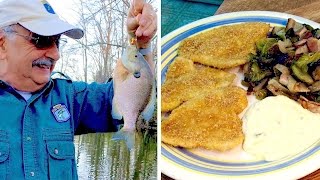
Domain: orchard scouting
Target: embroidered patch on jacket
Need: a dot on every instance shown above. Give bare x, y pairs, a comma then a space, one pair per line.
60, 112
47, 6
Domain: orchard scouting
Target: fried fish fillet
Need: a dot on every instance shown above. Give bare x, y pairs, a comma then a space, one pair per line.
179, 67
203, 79
210, 121
224, 47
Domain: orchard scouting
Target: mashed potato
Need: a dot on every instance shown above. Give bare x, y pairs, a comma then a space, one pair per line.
277, 127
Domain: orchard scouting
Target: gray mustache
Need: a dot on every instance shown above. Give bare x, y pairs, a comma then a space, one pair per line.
43, 61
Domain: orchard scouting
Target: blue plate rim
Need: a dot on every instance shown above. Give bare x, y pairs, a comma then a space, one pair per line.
191, 29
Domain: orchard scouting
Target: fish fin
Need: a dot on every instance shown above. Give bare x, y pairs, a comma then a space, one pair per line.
128, 136
115, 112
148, 111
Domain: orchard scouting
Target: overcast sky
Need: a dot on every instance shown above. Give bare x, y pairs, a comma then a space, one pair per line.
65, 9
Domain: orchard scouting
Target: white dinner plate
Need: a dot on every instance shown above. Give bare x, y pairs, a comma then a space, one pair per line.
198, 164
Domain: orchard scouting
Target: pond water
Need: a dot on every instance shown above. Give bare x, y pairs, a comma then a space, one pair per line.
98, 157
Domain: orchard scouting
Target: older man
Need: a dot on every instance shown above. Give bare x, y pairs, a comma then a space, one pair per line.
39, 114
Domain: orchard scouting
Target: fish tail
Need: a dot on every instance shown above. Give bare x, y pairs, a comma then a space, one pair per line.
128, 136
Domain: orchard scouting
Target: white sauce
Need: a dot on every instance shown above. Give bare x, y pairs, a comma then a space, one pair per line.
277, 127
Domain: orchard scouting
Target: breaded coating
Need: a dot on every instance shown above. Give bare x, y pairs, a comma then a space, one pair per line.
200, 81
224, 47
179, 67
209, 121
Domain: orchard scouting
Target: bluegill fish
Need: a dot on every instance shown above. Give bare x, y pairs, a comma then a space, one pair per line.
134, 93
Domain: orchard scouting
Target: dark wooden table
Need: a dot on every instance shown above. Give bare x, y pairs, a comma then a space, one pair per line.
309, 9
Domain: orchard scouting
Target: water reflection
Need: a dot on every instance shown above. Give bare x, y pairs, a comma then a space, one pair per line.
98, 157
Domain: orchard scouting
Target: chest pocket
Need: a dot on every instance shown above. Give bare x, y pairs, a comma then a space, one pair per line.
60, 149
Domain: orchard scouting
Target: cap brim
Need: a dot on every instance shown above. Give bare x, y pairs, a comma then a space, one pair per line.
53, 27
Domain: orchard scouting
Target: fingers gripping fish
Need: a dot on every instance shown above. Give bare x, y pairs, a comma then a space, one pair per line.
134, 93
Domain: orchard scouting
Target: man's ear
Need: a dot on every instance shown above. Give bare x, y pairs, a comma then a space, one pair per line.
2, 45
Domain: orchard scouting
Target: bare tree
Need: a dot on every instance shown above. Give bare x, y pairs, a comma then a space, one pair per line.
104, 23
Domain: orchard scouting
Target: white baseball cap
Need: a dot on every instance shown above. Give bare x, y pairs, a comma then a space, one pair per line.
37, 16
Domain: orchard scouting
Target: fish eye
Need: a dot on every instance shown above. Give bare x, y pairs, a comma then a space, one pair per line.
135, 55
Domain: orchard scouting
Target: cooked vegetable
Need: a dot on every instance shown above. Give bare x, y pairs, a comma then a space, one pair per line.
300, 74
316, 73
315, 87
280, 32
316, 33
261, 94
286, 62
264, 45
312, 106
306, 59
276, 88
255, 74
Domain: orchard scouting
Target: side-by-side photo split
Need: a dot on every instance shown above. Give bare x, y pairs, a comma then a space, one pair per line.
78, 89
239, 89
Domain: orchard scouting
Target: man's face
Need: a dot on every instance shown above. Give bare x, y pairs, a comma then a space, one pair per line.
28, 68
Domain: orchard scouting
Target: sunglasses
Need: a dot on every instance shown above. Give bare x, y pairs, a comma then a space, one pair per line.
42, 42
